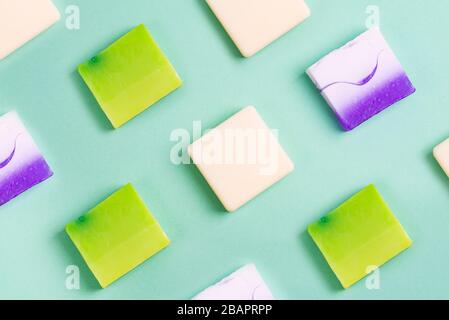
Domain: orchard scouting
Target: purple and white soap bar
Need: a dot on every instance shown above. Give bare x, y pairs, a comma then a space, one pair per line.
22, 166
361, 79
244, 284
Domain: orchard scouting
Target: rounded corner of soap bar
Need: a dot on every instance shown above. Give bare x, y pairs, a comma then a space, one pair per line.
130, 186
178, 81
409, 242
345, 126
310, 229
250, 108
142, 25
230, 208
247, 53
190, 152
345, 285
290, 166
167, 241
436, 152
56, 13
103, 283
81, 69
68, 229
116, 125
309, 11
57, 16
305, 10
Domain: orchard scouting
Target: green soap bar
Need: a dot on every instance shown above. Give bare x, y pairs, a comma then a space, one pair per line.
360, 234
117, 235
129, 76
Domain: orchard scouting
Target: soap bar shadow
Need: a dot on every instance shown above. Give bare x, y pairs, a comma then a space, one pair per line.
319, 101
320, 262
87, 279
90, 102
219, 29
203, 187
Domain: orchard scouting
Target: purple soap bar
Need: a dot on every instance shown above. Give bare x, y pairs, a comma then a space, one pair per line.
361, 79
22, 166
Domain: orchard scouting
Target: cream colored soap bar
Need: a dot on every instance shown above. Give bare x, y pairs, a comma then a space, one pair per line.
22, 20
441, 153
254, 24
240, 158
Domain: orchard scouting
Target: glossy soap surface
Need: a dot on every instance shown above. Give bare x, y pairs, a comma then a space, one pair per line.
117, 235
129, 76
361, 79
360, 234
22, 165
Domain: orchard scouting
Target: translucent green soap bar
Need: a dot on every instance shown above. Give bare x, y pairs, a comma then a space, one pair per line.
117, 235
359, 235
129, 76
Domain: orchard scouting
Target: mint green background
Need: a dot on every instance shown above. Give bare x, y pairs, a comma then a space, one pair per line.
90, 160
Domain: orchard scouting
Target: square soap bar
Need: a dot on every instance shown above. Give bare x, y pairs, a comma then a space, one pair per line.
129, 76
244, 284
361, 79
441, 153
117, 235
22, 20
240, 158
359, 235
254, 24
22, 165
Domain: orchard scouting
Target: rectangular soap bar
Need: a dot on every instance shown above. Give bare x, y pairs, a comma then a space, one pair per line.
117, 235
129, 76
359, 235
254, 24
361, 79
22, 165
240, 158
441, 153
244, 284
22, 20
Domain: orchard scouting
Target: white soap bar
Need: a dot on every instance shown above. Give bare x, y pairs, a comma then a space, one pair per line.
254, 24
240, 158
361, 79
22, 20
22, 165
441, 153
244, 284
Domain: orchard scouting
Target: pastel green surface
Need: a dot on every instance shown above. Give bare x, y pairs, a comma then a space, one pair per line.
117, 235
129, 76
360, 234
90, 160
